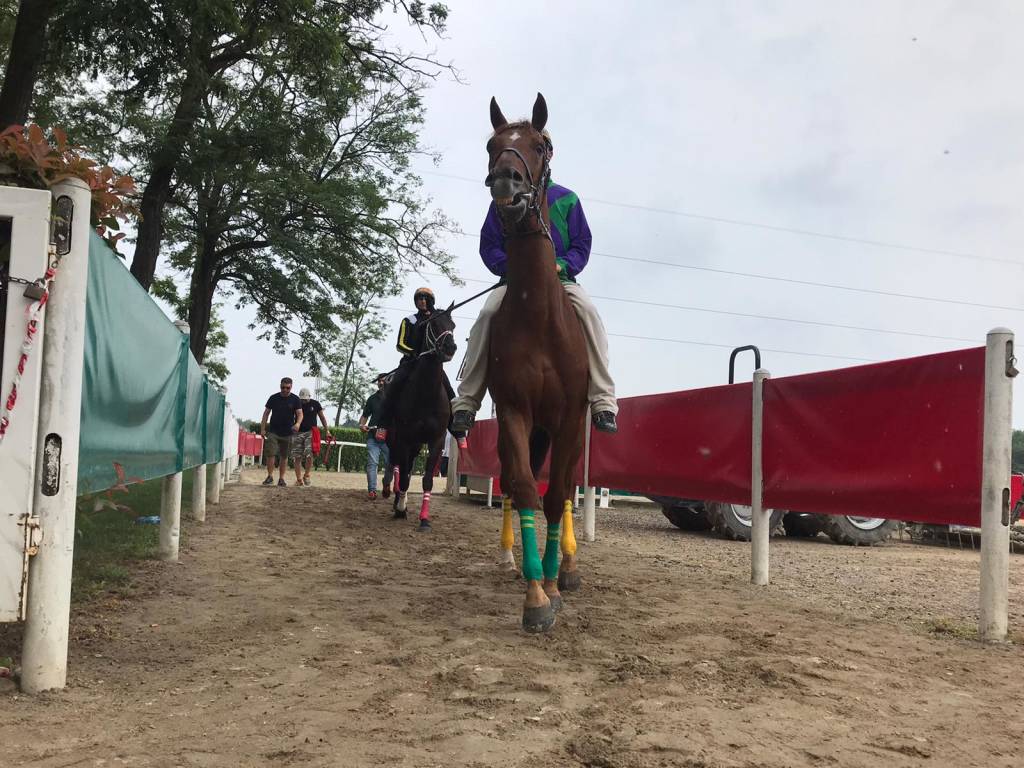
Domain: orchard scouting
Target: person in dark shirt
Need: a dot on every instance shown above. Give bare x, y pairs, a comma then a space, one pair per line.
285, 417
302, 441
375, 449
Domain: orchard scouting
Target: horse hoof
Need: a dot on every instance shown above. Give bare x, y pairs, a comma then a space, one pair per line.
556, 603
539, 619
400, 515
569, 581
424, 526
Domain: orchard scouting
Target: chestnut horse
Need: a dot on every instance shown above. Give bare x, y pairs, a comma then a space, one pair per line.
537, 365
422, 415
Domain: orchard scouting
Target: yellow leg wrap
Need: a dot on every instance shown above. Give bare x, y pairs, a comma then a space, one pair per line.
508, 538
568, 537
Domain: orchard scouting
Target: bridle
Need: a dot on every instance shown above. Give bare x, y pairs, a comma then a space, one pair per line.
432, 340
536, 190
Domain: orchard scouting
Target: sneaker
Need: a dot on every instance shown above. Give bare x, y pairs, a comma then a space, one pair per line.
372, 495
281, 483
605, 422
306, 481
462, 421
386, 492
269, 480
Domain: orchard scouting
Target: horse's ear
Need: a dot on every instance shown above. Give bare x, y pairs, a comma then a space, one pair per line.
450, 307
497, 119
540, 113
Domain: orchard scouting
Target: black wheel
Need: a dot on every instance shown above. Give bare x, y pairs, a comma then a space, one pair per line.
801, 526
687, 518
857, 531
733, 520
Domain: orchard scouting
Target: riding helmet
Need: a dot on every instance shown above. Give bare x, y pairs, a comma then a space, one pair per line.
425, 293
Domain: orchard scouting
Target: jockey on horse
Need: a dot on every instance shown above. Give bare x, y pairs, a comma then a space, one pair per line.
409, 332
571, 238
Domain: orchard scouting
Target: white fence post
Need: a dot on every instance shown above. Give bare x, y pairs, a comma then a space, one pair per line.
199, 493
589, 514
995, 482
760, 524
45, 647
170, 517
215, 481
452, 487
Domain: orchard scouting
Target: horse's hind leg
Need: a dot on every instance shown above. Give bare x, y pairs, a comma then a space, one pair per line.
403, 468
558, 507
518, 482
508, 538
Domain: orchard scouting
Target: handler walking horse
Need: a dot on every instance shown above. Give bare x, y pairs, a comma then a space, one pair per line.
537, 364
422, 415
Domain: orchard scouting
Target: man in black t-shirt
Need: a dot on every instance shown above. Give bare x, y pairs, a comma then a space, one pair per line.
302, 441
283, 409
375, 449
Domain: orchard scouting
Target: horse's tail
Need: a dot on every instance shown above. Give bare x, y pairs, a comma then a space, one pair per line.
540, 443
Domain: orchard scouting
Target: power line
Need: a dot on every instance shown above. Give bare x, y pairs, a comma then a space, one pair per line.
756, 316
834, 286
696, 343
771, 227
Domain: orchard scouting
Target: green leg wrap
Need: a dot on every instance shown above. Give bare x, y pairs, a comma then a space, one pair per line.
531, 560
551, 553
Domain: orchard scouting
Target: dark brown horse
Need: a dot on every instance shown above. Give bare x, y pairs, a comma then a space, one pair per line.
423, 413
537, 364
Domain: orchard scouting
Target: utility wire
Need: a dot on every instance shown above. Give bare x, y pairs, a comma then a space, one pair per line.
834, 286
756, 316
694, 343
770, 227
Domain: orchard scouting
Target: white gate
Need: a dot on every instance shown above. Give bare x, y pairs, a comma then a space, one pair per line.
25, 214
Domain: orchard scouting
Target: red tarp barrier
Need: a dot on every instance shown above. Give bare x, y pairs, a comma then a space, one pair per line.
693, 444
480, 457
249, 444
897, 440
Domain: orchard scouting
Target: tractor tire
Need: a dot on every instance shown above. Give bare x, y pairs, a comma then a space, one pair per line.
801, 526
857, 531
686, 518
732, 521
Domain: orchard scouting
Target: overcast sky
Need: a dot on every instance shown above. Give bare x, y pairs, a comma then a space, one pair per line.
891, 122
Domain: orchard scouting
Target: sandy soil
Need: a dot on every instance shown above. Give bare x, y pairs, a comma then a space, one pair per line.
304, 627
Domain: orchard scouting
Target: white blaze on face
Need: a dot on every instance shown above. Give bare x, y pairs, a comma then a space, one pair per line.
514, 136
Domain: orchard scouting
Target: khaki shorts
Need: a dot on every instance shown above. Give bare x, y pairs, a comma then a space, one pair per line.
275, 445
302, 445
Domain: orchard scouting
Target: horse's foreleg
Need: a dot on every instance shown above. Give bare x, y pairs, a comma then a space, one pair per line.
508, 539
401, 484
518, 482
433, 458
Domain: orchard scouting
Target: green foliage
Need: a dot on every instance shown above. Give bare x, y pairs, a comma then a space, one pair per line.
1017, 451
108, 540
286, 128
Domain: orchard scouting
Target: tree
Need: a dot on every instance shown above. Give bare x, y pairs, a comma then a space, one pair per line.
350, 377
1017, 451
296, 195
169, 57
25, 56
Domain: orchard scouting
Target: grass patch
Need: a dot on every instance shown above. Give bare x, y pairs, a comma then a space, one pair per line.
108, 540
950, 628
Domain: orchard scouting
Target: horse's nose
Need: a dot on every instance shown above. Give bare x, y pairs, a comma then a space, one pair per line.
506, 173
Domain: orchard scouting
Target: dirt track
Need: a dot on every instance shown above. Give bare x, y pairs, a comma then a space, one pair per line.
304, 627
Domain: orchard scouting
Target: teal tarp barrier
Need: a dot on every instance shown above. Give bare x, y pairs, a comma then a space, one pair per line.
145, 404
195, 415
